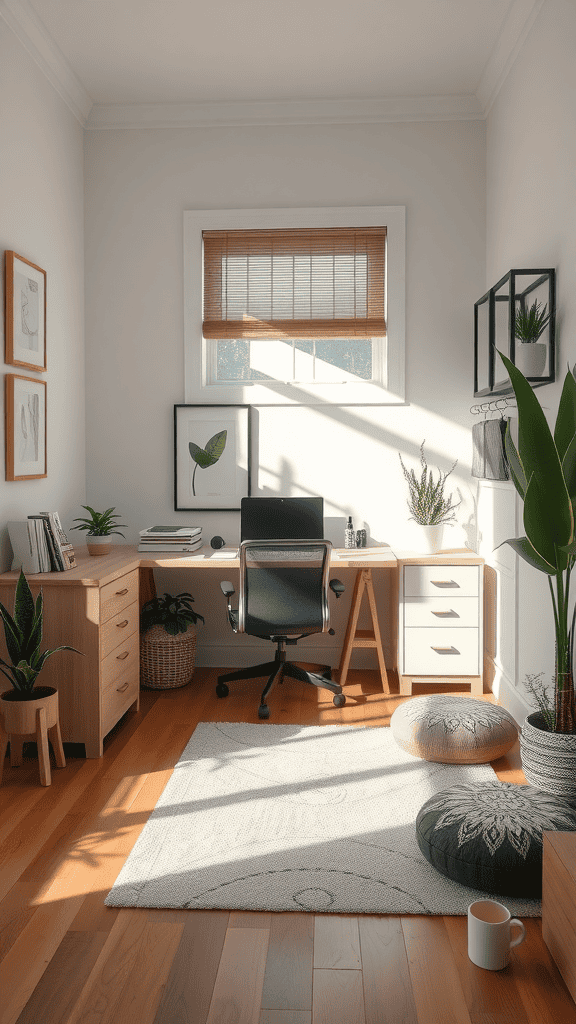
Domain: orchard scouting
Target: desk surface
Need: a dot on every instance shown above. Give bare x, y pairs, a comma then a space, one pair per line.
97, 570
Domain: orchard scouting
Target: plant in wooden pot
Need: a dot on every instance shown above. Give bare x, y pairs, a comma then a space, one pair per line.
543, 470
28, 709
430, 507
168, 641
99, 527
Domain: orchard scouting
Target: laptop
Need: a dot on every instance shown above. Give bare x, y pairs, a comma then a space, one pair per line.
275, 518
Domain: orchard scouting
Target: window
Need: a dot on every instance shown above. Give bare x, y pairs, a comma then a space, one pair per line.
294, 305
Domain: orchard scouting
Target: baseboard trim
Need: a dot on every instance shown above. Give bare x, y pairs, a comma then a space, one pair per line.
507, 694
236, 656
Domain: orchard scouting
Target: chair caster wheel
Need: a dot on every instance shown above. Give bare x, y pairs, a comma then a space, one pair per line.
222, 690
263, 711
339, 700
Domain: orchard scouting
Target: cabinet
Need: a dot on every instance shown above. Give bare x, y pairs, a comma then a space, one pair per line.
95, 608
440, 635
559, 902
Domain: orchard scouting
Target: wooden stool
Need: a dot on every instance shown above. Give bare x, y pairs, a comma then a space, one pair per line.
362, 637
20, 720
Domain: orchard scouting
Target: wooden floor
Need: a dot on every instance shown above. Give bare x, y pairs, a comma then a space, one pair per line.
68, 959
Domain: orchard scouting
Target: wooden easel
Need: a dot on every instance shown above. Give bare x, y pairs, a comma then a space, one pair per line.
362, 637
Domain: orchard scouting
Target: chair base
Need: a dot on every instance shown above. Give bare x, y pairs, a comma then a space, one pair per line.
276, 670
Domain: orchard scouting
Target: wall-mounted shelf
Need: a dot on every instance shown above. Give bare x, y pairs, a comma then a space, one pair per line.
494, 316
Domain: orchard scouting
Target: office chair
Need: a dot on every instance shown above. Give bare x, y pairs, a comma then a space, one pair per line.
283, 597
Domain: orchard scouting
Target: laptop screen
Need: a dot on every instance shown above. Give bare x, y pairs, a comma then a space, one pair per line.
282, 519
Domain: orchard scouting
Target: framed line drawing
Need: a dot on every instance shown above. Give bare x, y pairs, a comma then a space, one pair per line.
25, 404
25, 325
211, 457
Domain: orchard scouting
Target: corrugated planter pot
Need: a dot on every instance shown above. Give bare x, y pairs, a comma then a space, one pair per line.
167, 661
548, 758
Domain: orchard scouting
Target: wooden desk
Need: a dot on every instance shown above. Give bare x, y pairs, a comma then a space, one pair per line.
95, 608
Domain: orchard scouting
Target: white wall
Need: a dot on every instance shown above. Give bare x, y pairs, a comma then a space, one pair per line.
42, 219
531, 222
139, 182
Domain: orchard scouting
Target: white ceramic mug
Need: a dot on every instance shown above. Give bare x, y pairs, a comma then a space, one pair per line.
489, 927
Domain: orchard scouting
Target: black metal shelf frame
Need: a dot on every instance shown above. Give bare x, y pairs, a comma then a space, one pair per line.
489, 334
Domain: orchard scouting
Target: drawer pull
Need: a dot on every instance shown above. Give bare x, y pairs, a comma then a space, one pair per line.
445, 583
445, 650
120, 657
125, 623
450, 614
120, 689
120, 593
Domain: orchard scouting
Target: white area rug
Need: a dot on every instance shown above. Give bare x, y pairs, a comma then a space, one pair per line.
287, 817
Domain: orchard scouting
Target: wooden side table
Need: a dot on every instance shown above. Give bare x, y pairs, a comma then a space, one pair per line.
559, 902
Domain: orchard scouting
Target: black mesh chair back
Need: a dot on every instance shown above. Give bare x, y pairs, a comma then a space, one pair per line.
283, 587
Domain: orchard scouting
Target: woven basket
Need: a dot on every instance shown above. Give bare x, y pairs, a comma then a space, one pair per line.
167, 661
548, 758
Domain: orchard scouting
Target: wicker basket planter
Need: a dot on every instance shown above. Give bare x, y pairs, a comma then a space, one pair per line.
167, 661
548, 758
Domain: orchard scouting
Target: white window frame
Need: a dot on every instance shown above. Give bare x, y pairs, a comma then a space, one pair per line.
197, 389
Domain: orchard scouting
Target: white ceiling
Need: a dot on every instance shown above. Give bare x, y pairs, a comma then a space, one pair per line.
176, 52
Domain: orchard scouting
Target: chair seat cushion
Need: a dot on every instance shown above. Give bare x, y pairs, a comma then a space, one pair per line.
489, 836
453, 729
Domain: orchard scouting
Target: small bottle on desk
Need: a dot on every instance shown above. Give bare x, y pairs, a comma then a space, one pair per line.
349, 535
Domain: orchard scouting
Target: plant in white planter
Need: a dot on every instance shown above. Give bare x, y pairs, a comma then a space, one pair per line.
543, 470
429, 506
99, 527
529, 325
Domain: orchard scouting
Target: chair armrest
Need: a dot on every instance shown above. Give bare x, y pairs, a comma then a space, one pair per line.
227, 588
337, 587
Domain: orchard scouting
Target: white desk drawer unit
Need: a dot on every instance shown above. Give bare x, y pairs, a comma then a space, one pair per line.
440, 624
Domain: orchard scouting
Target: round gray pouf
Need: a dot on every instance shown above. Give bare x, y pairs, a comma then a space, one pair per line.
452, 729
489, 836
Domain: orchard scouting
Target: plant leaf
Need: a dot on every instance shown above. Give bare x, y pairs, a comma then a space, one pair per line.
12, 634
216, 445
537, 524
539, 457
523, 547
200, 456
23, 606
514, 464
565, 428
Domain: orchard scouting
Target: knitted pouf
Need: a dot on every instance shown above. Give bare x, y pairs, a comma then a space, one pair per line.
453, 729
489, 836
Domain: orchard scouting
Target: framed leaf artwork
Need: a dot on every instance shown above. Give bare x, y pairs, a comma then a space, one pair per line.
211, 456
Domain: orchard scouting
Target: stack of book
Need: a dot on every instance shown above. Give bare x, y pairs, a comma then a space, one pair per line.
39, 544
170, 538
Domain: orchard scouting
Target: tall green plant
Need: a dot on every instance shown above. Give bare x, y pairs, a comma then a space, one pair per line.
23, 632
543, 470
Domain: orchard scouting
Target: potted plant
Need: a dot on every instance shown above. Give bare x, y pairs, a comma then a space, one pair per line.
28, 708
168, 641
429, 506
543, 470
99, 527
529, 324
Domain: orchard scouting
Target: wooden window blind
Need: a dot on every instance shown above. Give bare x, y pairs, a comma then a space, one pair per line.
295, 283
